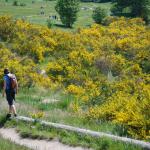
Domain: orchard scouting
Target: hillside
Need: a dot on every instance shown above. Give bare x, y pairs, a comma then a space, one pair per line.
31, 12
81, 85
105, 69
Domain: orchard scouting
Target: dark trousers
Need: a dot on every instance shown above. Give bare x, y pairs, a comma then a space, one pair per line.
10, 96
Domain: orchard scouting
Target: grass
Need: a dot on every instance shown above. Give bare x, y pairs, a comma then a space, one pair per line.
60, 111
7, 145
31, 12
37, 131
29, 101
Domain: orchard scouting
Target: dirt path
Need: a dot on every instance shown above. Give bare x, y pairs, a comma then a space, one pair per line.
12, 135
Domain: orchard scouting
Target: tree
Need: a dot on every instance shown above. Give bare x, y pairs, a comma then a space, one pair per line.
99, 14
138, 8
67, 9
119, 6
15, 3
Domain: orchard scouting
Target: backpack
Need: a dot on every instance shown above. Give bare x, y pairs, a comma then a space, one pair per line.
13, 82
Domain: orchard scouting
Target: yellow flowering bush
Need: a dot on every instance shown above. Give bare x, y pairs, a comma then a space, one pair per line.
6, 27
24, 69
77, 90
37, 115
107, 68
27, 39
121, 48
132, 111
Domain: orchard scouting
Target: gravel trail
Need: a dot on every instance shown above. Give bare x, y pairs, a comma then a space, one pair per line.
12, 135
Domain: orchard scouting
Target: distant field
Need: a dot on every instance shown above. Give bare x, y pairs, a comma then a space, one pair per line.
32, 11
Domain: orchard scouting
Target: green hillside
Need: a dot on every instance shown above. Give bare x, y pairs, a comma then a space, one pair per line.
92, 76
31, 12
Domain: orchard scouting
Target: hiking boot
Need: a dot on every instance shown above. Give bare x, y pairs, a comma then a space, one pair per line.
8, 116
15, 115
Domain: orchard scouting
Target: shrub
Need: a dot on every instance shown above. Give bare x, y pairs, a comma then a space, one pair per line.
50, 23
15, 3
22, 4
7, 26
99, 14
67, 9
116, 10
80, 62
132, 8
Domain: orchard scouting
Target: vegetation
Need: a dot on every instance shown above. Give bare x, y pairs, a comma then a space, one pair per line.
6, 144
15, 3
31, 12
99, 14
98, 77
135, 8
97, 1
50, 23
105, 68
37, 131
67, 9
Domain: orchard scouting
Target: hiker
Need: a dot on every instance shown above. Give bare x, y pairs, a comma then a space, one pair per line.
42, 10
10, 88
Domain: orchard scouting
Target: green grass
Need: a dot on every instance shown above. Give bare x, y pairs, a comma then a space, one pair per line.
29, 101
37, 131
32, 12
7, 145
60, 111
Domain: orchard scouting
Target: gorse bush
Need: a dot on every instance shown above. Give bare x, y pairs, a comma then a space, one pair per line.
24, 68
27, 39
106, 68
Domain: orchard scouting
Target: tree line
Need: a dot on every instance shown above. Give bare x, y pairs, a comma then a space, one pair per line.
68, 9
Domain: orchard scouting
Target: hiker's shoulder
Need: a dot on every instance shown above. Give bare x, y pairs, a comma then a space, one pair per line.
11, 75
5, 77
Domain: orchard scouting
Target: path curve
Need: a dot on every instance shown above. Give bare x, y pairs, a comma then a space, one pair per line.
12, 135
88, 132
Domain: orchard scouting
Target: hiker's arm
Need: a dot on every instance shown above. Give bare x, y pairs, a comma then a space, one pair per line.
4, 88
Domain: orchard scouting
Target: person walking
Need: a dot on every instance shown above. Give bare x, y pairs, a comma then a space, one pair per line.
10, 88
